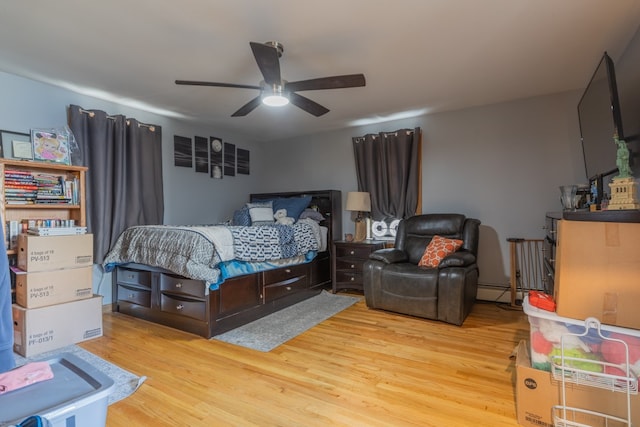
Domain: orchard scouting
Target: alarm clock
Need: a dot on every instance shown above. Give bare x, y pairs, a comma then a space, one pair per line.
385, 229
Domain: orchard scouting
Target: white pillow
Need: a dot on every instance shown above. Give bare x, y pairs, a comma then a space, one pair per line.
261, 213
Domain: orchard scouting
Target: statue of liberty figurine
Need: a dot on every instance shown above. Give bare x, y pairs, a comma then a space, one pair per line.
622, 158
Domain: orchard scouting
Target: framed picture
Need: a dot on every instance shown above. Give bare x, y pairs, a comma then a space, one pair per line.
50, 146
182, 151
215, 157
229, 159
242, 161
202, 154
16, 145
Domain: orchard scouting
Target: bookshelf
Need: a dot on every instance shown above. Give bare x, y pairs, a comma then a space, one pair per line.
75, 210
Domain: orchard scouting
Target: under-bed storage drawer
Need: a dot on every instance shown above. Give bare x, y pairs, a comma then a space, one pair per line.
285, 273
175, 284
133, 277
286, 280
184, 306
134, 295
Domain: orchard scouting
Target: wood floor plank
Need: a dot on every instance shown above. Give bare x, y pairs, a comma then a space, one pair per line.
359, 368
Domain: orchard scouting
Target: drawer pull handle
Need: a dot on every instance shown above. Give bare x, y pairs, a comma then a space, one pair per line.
287, 270
353, 266
288, 288
352, 253
352, 279
178, 285
179, 307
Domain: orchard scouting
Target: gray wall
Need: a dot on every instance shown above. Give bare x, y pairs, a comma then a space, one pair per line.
500, 163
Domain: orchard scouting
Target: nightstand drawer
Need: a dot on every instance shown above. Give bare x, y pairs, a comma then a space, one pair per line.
349, 264
349, 277
181, 285
352, 251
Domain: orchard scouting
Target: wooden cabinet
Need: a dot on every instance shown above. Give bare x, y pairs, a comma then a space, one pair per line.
63, 211
348, 259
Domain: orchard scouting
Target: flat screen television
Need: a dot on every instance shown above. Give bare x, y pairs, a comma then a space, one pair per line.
600, 119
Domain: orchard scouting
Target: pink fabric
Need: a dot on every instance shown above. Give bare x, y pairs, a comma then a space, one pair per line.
25, 375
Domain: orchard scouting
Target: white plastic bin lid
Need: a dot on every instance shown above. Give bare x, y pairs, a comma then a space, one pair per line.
532, 311
75, 382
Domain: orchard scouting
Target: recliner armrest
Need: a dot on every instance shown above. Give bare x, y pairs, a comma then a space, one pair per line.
389, 256
458, 259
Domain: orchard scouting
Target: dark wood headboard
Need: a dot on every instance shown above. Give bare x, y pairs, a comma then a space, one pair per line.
328, 203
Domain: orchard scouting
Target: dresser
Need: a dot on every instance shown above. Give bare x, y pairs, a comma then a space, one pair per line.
348, 259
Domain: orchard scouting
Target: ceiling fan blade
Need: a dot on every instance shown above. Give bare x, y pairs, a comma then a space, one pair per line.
334, 82
197, 83
268, 62
307, 105
248, 107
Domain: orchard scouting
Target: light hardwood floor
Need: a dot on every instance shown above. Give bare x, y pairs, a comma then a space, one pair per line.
359, 368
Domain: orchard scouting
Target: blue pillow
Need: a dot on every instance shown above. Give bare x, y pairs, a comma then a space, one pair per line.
242, 217
293, 205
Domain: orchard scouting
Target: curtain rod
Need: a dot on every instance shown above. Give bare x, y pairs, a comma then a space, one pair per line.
91, 114
152, 128
375, 135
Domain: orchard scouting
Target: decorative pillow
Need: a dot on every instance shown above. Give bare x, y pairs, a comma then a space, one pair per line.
438, 248
293, 205
242, 217
261, 213
312, 214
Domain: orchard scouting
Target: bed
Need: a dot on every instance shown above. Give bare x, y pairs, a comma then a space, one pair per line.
209, 279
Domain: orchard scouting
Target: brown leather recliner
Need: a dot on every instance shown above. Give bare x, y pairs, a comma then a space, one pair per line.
393, 280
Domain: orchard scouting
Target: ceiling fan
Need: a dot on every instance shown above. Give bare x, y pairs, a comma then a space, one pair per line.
275, 91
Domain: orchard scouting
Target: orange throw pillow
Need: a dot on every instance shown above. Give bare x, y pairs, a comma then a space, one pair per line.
438, 248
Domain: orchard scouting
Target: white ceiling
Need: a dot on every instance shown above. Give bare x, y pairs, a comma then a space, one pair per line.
418, 56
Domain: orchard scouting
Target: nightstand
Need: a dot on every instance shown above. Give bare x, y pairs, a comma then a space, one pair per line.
348, 258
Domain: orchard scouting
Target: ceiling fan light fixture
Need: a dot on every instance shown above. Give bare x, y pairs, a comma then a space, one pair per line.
274, 96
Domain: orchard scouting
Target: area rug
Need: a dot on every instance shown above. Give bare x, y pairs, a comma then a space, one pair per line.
269, 332
125, 382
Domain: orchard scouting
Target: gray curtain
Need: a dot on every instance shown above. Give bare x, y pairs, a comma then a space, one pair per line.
124, 177
388, 167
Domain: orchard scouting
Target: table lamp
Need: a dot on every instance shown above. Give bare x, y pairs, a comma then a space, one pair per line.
359, 201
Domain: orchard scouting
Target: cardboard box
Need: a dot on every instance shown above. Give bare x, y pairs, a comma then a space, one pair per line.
77, 395
547, 328
41, 253
36, 330
537, 394
43, 288
598, 272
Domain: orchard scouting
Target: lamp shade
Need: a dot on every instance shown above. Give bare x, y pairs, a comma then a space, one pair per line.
358, 201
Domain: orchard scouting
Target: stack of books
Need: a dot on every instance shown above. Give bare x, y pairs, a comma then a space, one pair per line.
20, 188
52, 189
